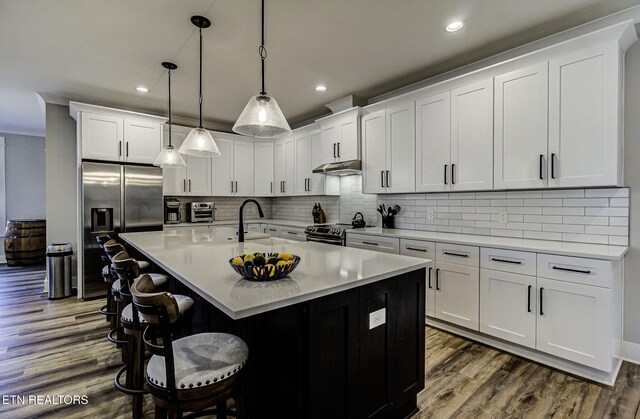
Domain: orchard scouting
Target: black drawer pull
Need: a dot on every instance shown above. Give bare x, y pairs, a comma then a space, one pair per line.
541, 162
429, 280
456, 254
515, 262
291, 232
579, 271
438, 279
529, 299
416, 249
445, 173
453, 174
553, 166
541, 313
371, 243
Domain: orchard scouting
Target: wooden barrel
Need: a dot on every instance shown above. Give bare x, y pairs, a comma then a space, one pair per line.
25, 242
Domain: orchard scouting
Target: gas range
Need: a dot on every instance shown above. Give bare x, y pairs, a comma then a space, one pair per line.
335, 234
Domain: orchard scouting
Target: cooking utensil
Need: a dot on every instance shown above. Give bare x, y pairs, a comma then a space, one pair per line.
397, 209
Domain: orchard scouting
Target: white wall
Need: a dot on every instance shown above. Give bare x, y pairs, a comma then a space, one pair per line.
61, 178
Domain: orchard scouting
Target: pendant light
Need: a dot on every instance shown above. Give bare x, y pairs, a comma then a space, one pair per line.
199, 142
169, 157
262, 116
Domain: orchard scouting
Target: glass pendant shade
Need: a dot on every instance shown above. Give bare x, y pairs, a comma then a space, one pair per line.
262, 118
199, 143
169, 158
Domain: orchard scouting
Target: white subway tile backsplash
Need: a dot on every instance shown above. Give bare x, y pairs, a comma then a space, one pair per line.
468, 210
490, 210
585, 238
477, 231
570, 219
619, 240
563, 228
524, 226
524, 194
542, 235
462, 223
619, 221
507, 233
524, 210
610, 212
515, 218
477, 217
476, 202
619, 202
552, 219
563, 193
491, 224
551, 202
449, 229
586, 202
607, 193
608, 230
507, 202
491, 195
563, 211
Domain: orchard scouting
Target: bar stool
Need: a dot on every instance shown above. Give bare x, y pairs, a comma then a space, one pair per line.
109, 310
189, 374
127, 270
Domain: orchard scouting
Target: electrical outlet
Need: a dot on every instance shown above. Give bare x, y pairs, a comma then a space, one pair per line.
503, 216
430, 214
377, 318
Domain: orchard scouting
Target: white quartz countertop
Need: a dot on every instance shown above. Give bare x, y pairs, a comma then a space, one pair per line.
201, 261
286, 223
596, 251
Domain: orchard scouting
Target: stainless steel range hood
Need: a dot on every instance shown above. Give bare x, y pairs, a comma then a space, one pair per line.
349, 167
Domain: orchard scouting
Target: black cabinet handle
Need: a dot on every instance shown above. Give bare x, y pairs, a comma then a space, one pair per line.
453, 174
231, 186
515, 262
416, 249
271, 187
382, 178
387, 178
438, 279
184, 185
456, 254
429, 279
553, 166
334, 150
189, 185
291, 232
371, 243
236, 186
338, 150
284, 186
579, 271
541, 162
541, 312
445, 173
529, 299
119, 148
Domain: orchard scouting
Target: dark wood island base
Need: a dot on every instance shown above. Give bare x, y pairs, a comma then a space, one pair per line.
325, 358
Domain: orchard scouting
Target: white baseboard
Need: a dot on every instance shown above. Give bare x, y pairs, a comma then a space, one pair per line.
631, 352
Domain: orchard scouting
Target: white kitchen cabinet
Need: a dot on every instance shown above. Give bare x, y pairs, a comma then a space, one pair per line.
376, 243
142, 141
508, 306
293, 233
425, 250
574, 322
340, 135
457, 294
520, 120
584, 118
302, 183
232, 171
433, 142
389, 141
285, 166
320, 184
192, 180
273, 230
264, 169
472, 137
102, 137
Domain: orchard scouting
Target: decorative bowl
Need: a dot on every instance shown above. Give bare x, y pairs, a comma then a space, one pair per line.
268, 272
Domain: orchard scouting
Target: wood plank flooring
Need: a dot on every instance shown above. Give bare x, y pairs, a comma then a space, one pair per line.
59, 348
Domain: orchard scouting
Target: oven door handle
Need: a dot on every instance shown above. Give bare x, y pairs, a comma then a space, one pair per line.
319, 240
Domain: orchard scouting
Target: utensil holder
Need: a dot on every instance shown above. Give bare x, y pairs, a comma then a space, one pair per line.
389, 221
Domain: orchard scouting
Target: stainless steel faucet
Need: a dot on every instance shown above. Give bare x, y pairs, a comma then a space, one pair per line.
240, 218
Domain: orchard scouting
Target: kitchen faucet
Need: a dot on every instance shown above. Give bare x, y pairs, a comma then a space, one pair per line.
241, 221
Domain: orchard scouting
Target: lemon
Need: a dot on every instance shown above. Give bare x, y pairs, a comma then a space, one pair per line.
237, 261
248, 257
290, 262
281, 263
285, 256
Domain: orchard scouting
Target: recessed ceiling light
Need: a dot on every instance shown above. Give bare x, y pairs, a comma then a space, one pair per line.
321, 88
142, 89
454, 26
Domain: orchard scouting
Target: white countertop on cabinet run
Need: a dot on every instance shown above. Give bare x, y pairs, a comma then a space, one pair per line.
596, 251
286, 223
201, 261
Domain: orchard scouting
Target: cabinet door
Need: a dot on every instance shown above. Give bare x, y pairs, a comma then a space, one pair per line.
318, 179
264, 168
349, 140
142, 141
330, 137
574, 322
222, 169
433, 143
508, 306
243, 168
281, 167
401, 148
198, 175
584, 108
374, 164
102, 137
302, 164
520, 119
457, 294
472, 137
290, 180
174, 180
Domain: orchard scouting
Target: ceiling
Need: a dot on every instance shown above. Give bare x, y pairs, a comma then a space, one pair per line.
98, 51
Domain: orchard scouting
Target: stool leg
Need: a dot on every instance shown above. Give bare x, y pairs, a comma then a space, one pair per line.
221, 410
111, 307
137, 370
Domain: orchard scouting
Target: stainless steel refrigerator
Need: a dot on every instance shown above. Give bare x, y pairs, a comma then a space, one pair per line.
115, 198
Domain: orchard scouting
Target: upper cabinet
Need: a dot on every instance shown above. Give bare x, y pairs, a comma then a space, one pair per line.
232, 171
433, 142
340, 135
285, 166
108, 134
263, 173
308, 155
193, 180
388, 149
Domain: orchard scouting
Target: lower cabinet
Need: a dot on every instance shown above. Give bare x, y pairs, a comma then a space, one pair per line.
377, 243
293, 233
456, 295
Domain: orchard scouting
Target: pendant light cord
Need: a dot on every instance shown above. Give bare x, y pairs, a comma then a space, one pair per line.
200, 126
169, 122
262, 51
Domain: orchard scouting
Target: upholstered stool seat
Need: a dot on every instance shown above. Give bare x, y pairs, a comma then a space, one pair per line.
144, 265
106, 272
184, 305
200, 360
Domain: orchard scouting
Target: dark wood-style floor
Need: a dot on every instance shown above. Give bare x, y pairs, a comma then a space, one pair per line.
59, 348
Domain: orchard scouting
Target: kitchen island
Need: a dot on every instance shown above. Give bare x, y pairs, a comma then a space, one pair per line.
342, 337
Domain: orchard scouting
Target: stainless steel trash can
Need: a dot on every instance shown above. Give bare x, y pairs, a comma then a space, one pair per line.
59, 269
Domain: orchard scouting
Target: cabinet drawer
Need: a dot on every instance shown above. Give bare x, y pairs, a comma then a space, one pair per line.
293, 233
458, 254
418, 248
579, 270
508, 261
377, 243
254, 227
273, 230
